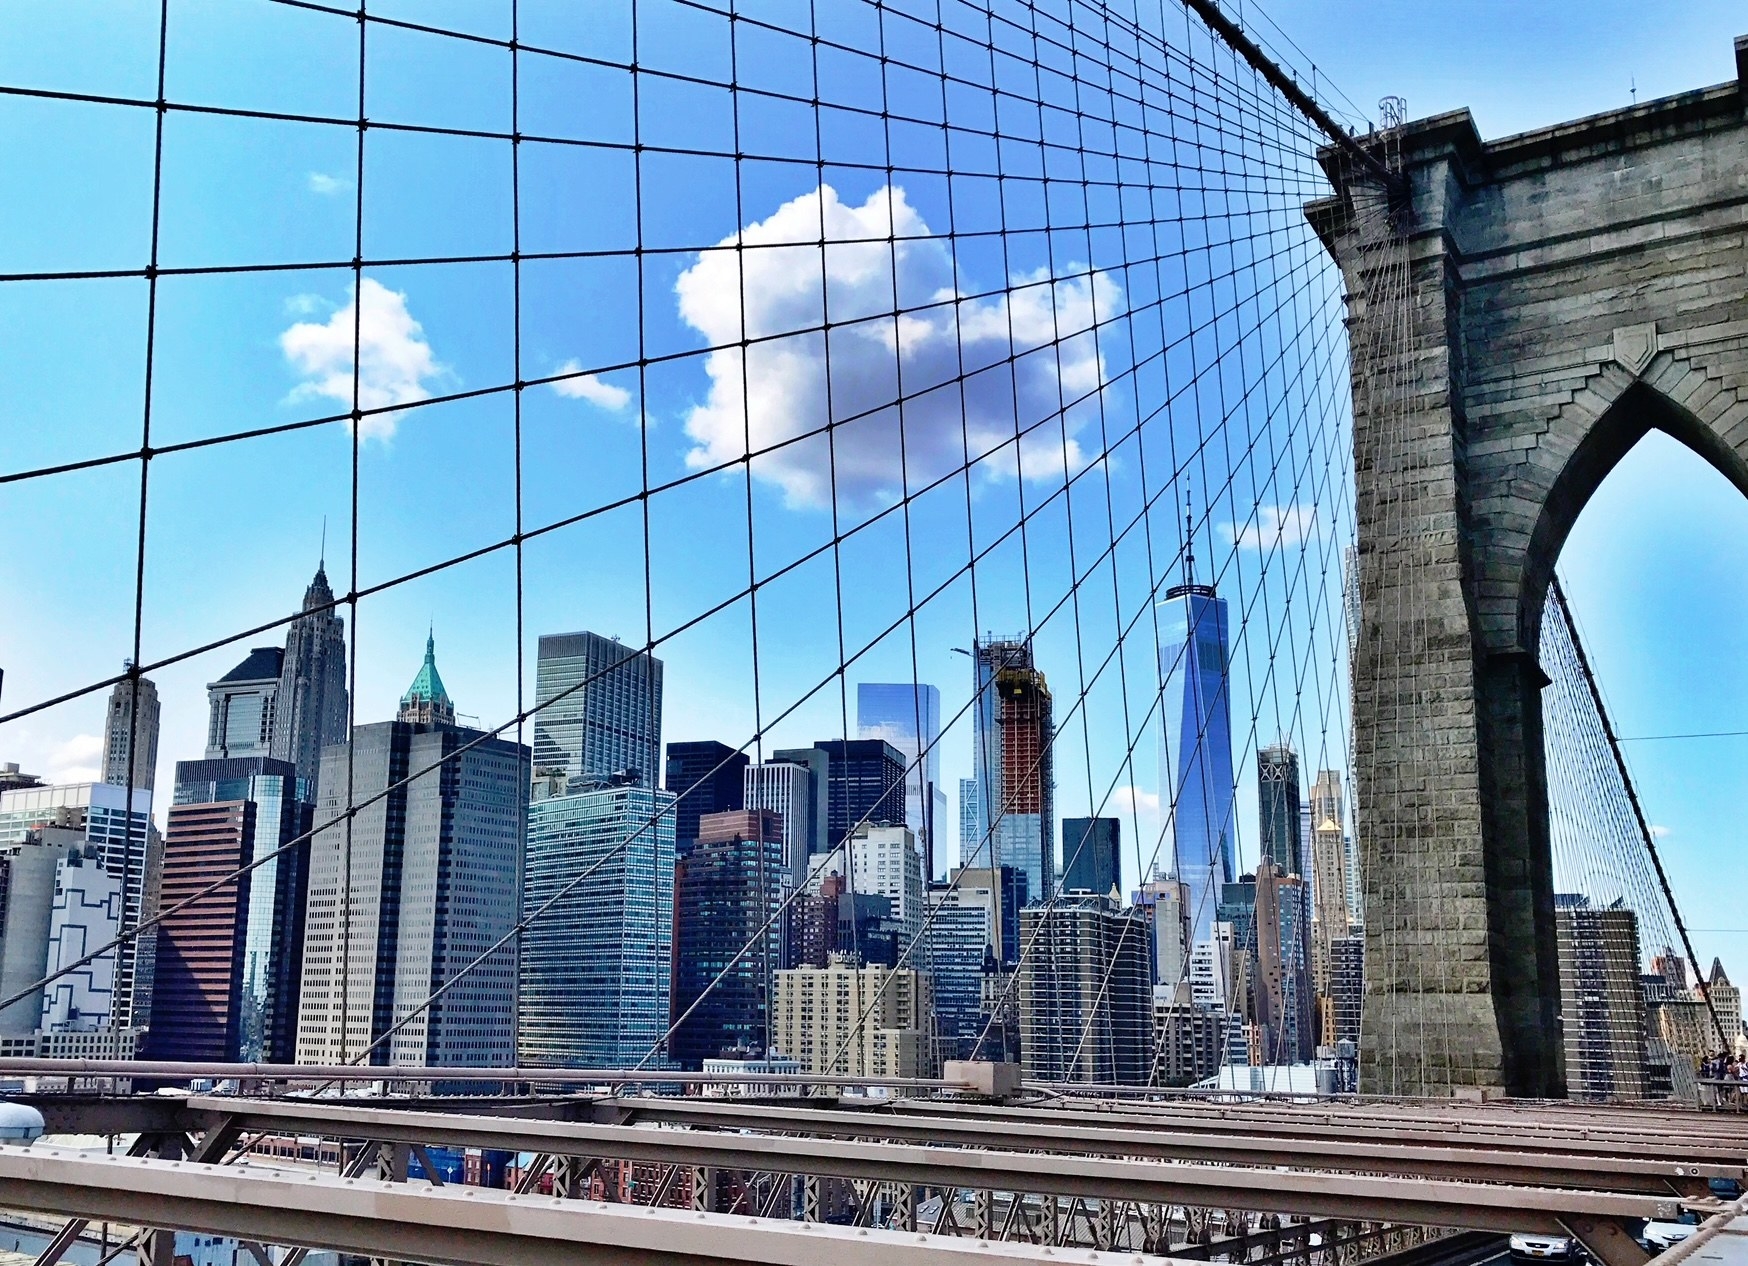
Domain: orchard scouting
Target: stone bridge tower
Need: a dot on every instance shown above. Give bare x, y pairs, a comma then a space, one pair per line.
1521, 313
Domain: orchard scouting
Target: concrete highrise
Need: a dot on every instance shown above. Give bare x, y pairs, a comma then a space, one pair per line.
884, 860
597, 965
1195, 778
1012, 749
600, 708
1190, 1041
1271, 914
117, 822
856, 1020
79, 1009
242, 706
908, 716
1726, 1000
1166, 902
424, 879
787, 789
1330, 917
30, 872
1086, 1008
827, 918
130, 745
312, 704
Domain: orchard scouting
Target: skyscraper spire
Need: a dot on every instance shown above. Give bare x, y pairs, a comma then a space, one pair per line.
313, 706
426, 701
1189, 542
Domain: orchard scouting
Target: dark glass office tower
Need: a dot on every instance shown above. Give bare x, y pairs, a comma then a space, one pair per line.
230, 966
1092, 858
704, 777
864, 782
728, 891
1277, 774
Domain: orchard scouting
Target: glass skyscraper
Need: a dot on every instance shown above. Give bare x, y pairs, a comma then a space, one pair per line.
1278, 808
600, 709
705, 777
1092, 855
596, 968
242, 949
908, 716
968, 843
1196, 756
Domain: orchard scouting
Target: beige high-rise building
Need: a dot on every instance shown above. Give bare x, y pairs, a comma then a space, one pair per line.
858, 1021
130, 744
1329, 912
1726, 1000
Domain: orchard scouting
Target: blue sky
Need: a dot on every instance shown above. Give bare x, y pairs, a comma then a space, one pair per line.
233, 530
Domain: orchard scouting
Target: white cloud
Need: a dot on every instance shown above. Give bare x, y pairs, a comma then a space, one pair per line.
581, 386
395, 363
1138, 810
326, 185
1127, 800
1658, 832
79, 759
1285, 525
1046, 324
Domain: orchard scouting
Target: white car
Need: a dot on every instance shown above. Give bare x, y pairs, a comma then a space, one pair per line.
1658, 1236
1545, 1248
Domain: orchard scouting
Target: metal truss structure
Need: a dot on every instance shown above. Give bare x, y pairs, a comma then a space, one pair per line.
944, 1178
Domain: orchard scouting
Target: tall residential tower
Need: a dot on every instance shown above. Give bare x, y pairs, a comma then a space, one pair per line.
1015, 772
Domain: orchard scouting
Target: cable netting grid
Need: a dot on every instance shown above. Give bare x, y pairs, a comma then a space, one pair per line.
779, 341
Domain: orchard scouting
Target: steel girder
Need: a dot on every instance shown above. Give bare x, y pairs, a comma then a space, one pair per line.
1421, 1201
455, 1226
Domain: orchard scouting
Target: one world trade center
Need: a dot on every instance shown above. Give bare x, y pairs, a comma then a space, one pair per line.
1196, 757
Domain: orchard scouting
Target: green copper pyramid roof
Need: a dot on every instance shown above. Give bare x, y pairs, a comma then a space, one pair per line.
427, 685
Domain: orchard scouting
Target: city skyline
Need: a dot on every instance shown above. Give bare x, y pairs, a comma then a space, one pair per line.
662, 476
